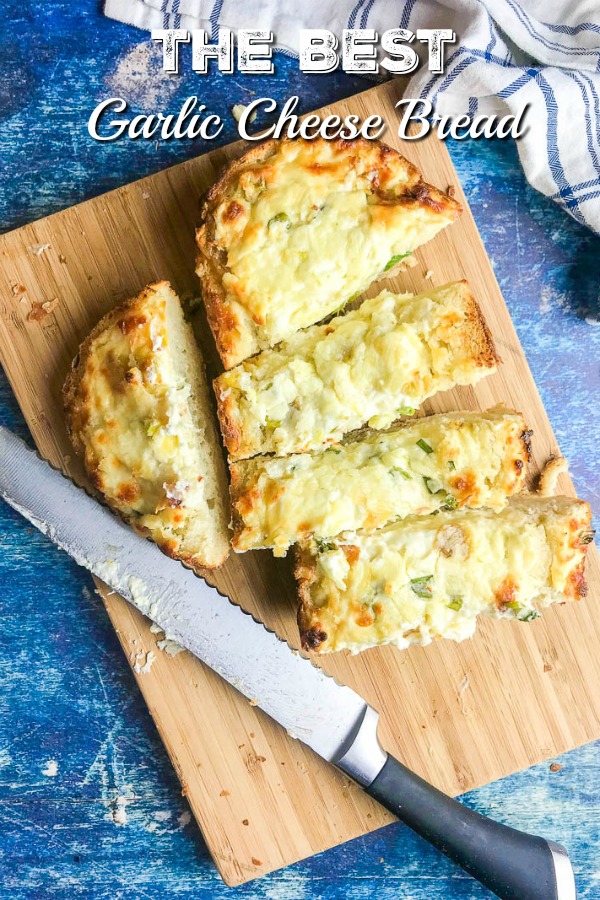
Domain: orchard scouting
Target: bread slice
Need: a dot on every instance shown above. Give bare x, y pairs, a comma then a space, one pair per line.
458, 459
295, 229
138, 411
431, 576
370, 365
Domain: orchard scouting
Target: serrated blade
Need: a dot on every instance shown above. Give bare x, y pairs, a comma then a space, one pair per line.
310, 705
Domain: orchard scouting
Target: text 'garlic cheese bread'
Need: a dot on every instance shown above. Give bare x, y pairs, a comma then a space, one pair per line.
138, 410
431, 576
370, 365
437, 462
295, 229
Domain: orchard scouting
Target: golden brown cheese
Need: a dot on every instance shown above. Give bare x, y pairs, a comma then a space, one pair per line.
431, 576
295, 229
370, 365
442, 461
138, 411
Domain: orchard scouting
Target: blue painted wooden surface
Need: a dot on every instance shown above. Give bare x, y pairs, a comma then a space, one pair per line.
89, 804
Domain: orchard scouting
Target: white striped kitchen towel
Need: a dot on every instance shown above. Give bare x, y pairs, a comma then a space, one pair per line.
507, 54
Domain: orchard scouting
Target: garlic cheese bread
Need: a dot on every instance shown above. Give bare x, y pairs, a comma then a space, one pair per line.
138, 410
371, 365
295, 229
431, 576
438, 462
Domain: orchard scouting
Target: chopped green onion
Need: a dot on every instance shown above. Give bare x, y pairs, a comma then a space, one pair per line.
587, 537
450, 502
272, 424
406, 411
394, 260
513, 604
451, 465
152, 426
281, 217
339, 308
433, 485
421, 586
427, 448
401, 472
529, 616
456, 602
324, 546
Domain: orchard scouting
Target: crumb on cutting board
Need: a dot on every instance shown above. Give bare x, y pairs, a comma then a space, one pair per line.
143, 662
38, 249
548, 482
39, 311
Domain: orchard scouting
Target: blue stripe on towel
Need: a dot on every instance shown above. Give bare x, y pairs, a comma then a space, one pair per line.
590, 130
353, 14
406, 13
365, 13
572, 29
565, 191
586, 78
576, 188
551, 45
476, 54
452, 76
176, 14
586, 197
214, 19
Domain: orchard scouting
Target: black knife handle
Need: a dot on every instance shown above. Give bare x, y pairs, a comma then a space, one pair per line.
512, 864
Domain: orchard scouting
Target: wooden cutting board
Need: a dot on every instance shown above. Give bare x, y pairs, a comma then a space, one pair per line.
461, 715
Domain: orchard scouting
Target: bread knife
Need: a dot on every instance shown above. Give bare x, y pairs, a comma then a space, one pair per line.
328, 717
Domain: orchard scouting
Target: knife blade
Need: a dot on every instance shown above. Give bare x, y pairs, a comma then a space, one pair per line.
330, 718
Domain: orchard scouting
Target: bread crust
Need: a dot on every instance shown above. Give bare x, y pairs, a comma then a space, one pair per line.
312, 633
76, 403
243, 436
480, 459
74, 398
479, 337
567, 526
231, 431
224, 320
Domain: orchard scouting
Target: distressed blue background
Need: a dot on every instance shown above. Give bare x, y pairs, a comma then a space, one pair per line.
66, 691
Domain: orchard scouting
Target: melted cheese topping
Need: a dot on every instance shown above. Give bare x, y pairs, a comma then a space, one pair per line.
393, 352
462, 459
430, 577
310, 228
143, 447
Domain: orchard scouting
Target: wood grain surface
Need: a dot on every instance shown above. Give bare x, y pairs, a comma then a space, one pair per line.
461, 715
